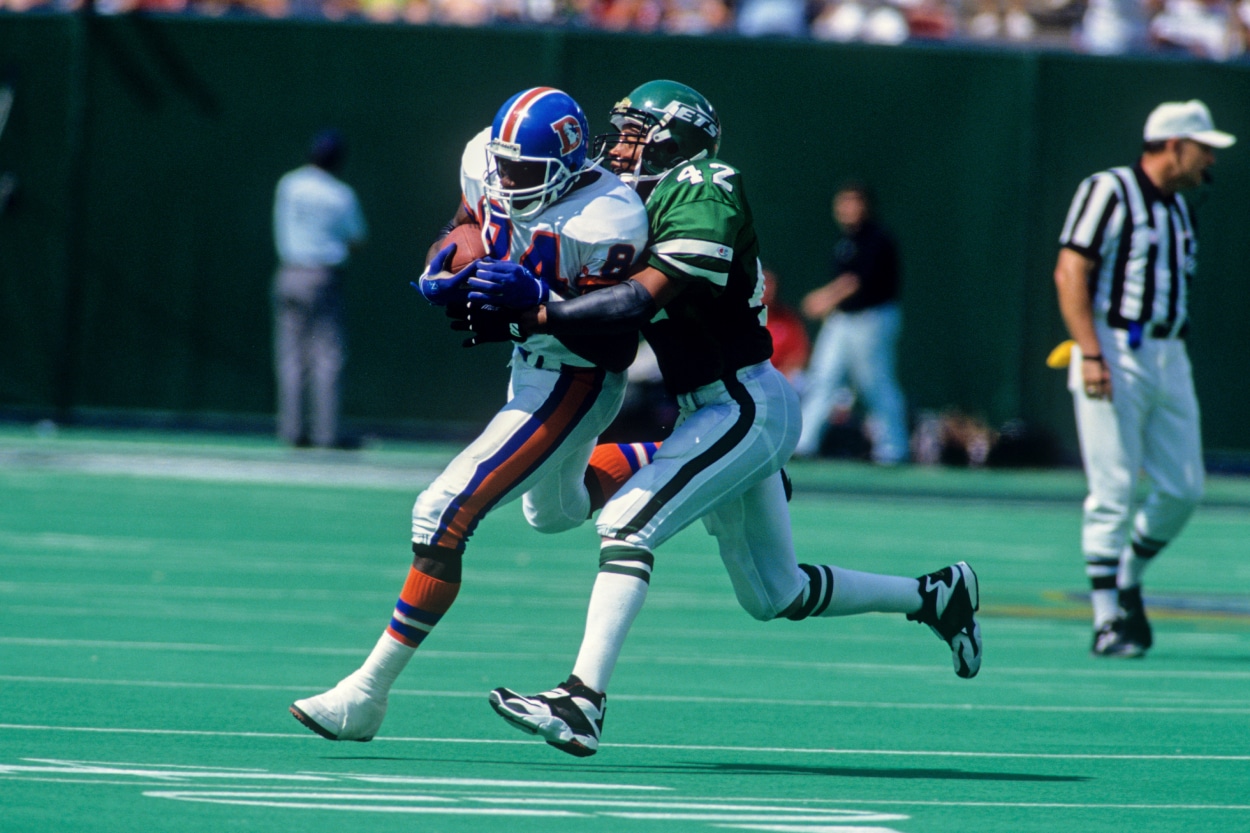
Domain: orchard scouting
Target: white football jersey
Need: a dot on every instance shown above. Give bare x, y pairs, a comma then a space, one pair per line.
588, 238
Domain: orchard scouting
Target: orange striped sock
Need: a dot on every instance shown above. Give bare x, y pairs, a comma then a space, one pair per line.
421, 604
611, 464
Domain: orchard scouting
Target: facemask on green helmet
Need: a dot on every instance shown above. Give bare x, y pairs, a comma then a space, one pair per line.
672, 123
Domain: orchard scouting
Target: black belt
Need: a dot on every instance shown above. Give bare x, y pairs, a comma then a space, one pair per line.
539, 362
534, 360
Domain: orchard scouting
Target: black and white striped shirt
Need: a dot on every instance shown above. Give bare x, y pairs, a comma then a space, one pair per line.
1143, 245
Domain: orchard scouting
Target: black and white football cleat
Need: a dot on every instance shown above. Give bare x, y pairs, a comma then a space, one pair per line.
949, 598
569, 717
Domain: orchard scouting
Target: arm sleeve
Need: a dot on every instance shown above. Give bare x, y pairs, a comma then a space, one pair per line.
1085, 228
622, 308
694, 240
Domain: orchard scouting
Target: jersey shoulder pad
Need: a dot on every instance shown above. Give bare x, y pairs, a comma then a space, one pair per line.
607, 210
473, 168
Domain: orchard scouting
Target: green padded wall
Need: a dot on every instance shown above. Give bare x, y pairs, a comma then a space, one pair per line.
136, 265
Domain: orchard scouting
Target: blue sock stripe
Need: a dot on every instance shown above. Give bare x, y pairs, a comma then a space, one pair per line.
423, 616
631, 455
411, 634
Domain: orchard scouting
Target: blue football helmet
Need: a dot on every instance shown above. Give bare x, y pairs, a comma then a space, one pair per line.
537, 149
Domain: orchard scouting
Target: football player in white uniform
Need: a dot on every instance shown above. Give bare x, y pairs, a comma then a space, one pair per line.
556, 225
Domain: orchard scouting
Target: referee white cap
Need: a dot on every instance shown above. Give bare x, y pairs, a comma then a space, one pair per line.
1185, 120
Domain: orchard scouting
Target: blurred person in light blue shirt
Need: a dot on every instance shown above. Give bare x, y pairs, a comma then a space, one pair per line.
1116, 27
785, 18
317, 221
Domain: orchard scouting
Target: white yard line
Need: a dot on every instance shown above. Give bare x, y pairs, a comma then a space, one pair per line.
1098, 672
667, 698
655, 747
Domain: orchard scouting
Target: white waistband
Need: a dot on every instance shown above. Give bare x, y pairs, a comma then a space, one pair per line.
716, 391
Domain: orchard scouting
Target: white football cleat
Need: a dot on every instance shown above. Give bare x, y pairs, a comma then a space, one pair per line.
345, 712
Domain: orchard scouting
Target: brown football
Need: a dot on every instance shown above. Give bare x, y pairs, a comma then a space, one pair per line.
469, 245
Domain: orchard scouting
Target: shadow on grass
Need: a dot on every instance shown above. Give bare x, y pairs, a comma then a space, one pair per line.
903, 773
893, 773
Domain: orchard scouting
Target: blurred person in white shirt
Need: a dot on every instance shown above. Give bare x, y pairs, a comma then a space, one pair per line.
1208, 29
1115, 27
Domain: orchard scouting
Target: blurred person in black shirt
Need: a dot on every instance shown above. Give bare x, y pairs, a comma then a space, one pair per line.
858, 337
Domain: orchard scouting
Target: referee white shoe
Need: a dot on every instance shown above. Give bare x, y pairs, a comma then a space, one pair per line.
949, 600
569, 717
345, 712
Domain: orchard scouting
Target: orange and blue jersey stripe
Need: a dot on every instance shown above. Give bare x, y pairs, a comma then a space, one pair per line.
574, 394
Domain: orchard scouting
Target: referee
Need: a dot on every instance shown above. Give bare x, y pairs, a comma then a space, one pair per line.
1128, 256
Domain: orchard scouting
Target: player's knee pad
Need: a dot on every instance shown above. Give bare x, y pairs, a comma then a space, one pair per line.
1189, 499
441, 563
550, 511
1167, 517
549, 523
759, 609
763, 605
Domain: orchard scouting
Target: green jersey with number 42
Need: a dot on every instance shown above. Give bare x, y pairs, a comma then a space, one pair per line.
703, 235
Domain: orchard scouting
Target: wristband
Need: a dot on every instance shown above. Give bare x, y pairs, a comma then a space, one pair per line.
1097, 358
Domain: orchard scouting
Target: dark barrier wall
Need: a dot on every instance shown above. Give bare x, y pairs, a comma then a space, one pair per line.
135, 266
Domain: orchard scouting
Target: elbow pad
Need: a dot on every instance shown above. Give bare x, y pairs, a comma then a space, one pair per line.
622, 308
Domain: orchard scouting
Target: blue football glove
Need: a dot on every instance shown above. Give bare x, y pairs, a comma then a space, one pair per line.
507, 284
440, 261
442, 291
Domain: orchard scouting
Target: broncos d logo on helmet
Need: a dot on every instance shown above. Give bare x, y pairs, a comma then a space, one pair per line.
570, 133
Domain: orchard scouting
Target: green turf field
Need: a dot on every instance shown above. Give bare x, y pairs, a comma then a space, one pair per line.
164, 598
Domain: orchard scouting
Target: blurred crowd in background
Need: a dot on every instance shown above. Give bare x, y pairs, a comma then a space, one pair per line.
1215, 30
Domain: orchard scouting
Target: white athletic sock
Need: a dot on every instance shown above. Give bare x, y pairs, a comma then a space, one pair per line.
855, 592
618, 594
380, 670
1106, 604
1131, 569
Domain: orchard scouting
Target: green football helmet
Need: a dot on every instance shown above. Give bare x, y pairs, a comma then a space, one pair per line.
673, 123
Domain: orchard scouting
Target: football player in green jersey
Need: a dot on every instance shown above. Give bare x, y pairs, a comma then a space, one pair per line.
697, 300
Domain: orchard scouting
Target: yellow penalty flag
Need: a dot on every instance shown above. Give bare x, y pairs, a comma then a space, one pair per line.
1061, 356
